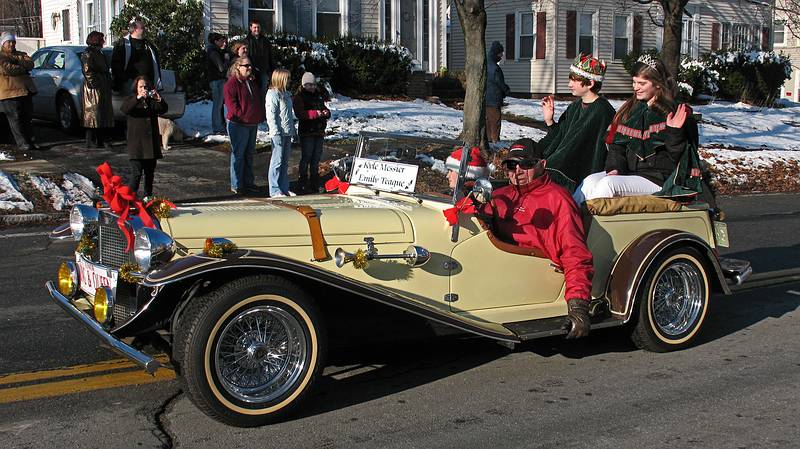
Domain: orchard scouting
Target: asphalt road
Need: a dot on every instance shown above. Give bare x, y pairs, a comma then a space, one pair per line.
737, 387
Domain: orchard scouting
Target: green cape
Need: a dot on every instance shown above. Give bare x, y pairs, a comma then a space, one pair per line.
575, 146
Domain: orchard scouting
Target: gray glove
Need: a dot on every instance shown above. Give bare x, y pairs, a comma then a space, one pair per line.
577, 323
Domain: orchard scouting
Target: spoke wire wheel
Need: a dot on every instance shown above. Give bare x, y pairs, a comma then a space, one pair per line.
260, 370
677, 298
260, 354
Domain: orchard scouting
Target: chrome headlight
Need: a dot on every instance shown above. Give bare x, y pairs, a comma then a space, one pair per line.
80, 216
152, 247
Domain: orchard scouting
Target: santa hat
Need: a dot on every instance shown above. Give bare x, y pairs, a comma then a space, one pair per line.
477, 166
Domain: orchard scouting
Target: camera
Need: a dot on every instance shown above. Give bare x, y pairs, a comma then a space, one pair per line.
152, 93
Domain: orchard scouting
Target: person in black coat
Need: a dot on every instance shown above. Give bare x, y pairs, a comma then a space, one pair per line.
259, 49
144, 142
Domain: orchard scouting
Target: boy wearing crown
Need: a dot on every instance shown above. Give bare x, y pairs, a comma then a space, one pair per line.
574, 146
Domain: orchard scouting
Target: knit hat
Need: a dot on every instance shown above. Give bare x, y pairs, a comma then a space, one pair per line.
524, 149
588, 67
7, 36
308, 78
476, 167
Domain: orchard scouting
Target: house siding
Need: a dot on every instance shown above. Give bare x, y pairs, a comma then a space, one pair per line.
370, 18
54, 35
536, 76
215, 16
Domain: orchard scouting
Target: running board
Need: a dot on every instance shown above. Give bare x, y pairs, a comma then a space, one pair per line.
736, 271
548, 327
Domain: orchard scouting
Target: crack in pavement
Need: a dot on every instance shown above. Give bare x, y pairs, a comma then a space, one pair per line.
158, 419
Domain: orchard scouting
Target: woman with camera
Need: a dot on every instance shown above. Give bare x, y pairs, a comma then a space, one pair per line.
144, 142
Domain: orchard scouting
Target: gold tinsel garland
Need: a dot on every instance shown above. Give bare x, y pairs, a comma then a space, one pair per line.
126, 272
160, 207
86, 246
220, 249
360, 259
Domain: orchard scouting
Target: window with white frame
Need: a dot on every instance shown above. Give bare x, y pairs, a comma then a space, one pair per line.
329, 18
622, 36
779, 34
526, 34
726, 35
586, 33
690, 38
88, 14
264, 11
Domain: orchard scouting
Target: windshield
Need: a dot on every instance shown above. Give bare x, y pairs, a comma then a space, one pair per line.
400, 164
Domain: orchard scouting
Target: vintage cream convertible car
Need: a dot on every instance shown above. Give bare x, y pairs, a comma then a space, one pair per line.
242, 289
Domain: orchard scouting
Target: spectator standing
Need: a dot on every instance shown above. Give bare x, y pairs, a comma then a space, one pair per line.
98, 112
309, 107
243, 100
143, 107
135, 56
217, 59
281, 122
16, 89
237, 49
496, 91
260, 51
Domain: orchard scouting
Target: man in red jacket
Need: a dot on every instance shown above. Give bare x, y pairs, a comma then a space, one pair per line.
535, 212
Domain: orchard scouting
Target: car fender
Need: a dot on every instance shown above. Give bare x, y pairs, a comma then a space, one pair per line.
633, 263
187, 271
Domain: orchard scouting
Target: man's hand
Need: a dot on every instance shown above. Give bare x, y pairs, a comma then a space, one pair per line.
548, 110
577, 323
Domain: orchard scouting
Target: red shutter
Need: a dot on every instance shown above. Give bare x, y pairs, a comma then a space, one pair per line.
765, 32
511, 38
637, 34
541, 35
572, 19
715, 36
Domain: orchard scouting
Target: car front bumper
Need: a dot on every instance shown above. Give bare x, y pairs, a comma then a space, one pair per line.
147, 362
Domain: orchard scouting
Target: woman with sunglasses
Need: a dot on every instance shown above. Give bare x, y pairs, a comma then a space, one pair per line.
535, 212
652, 143
243, 100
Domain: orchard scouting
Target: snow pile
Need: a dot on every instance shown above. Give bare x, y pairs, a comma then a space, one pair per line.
734, 171
10, 196
6, 156
50, 190
78, 188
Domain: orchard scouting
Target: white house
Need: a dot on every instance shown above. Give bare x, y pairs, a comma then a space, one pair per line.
419, 25
542, 37
785, 42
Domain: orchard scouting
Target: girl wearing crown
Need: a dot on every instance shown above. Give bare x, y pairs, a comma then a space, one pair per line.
652, 143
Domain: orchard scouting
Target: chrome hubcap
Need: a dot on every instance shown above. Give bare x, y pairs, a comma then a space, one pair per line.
260, 354
678, 298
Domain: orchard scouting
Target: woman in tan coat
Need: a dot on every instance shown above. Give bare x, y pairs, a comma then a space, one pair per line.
98, 113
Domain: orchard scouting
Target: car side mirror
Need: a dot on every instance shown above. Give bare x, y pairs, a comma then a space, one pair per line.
482, 190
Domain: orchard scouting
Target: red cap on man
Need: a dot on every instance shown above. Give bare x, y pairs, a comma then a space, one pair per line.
476, 167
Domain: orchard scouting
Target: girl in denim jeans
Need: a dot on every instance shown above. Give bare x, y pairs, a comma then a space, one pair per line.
281, 121
309, 107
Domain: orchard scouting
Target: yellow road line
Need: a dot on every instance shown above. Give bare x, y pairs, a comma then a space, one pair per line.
107, 365
71, 386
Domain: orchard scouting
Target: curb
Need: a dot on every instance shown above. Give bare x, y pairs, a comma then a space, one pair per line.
26, 219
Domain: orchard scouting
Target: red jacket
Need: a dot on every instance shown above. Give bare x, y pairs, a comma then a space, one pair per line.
543, 215
244, 101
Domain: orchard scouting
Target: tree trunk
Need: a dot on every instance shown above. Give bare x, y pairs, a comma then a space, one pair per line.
673, 27
472, 17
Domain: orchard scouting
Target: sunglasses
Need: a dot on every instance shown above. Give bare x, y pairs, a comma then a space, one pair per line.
525, 164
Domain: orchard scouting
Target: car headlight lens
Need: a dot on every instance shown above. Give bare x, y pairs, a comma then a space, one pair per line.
152, 247
67, 279
80, 216
103, 304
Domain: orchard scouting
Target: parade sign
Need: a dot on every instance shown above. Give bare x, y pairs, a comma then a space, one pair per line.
383, 175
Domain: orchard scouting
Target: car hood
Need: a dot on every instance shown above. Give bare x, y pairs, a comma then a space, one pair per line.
254, 223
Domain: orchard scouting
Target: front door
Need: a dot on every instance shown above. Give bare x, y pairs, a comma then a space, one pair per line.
488, 278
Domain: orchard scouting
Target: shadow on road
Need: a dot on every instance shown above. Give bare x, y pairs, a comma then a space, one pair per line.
769, 259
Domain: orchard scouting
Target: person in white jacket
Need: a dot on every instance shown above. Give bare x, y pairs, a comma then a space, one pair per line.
281, 121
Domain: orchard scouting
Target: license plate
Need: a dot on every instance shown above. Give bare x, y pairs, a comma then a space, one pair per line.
721, 234
93, 276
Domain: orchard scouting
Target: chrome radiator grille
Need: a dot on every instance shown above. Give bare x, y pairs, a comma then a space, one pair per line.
112, 242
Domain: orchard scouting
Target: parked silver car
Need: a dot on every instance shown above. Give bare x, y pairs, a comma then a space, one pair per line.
59, 79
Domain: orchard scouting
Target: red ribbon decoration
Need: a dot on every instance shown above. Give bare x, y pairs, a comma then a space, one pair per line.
464, 205
335, 184
120, 199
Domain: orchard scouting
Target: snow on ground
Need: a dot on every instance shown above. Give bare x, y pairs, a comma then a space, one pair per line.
10, 196
6, 156
75, 189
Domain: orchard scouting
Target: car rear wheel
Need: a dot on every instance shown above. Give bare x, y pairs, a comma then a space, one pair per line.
250, 351
672, 302
67, 114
